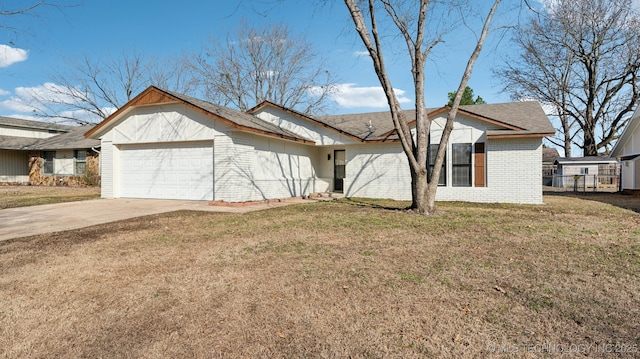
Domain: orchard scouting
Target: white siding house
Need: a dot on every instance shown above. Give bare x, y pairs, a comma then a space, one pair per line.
62, 149
627, 150
168, 145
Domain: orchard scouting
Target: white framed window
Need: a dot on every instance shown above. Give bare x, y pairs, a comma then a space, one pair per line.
461, 165
47, 162
81, 162
431, 160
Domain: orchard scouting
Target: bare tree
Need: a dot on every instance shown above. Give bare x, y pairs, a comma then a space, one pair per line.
410, 18
17, 9
257, 64
582, 57
94, 87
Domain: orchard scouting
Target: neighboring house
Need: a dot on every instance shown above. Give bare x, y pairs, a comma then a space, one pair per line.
627, 150
167, 145
41, 152
590, 171
549, 155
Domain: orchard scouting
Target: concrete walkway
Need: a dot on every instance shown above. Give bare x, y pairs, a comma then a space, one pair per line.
49, 218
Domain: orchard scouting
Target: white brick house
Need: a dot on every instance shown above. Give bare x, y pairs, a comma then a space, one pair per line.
167, 145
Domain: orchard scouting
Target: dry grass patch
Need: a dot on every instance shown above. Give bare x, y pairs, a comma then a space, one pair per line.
334, 279
22, 196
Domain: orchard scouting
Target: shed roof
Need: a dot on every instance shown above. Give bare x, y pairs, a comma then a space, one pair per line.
592, 160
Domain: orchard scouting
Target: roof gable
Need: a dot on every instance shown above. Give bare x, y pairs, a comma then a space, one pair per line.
235, 119
302, 116
632, 127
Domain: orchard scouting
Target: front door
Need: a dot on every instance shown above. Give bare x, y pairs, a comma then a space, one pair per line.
339, 165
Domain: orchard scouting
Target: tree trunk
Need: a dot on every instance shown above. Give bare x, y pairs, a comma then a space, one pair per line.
590, 146
419, 199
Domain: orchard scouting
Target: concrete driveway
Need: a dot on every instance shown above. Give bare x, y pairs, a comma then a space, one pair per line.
28, 221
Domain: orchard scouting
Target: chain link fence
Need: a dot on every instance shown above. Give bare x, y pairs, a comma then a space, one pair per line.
581, 183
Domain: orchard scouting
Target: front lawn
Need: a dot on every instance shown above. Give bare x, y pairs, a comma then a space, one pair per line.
22, 196
349, 278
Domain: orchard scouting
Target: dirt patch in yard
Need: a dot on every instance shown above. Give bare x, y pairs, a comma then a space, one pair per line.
331, 279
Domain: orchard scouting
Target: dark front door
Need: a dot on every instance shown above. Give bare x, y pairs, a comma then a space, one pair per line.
339, 165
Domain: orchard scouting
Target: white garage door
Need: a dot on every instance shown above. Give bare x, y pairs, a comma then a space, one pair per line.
167, 171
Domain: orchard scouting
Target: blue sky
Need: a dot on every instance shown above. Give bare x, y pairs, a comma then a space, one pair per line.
163, 28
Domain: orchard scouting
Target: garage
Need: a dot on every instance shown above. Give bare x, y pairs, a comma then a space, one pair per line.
167, 170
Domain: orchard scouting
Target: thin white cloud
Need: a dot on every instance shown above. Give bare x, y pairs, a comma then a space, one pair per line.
49, 92
349, 96
10, 55
4, 92
27, 101
361, 53
18, 104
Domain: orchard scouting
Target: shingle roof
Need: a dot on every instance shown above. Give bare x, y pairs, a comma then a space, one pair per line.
549, 154
74, 139
520, 118
527, 116
15, 122
67, 137
16, 143
240, 118
366, 126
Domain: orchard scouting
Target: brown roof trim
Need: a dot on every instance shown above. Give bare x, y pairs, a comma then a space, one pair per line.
470, 114
308, 118
520, 135
153, 95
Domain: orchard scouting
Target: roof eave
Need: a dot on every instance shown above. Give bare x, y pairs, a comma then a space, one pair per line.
519, 135
163, 97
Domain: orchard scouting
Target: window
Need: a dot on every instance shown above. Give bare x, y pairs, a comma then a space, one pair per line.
584, 171
431, 160
461, 164
81, 162
47, 162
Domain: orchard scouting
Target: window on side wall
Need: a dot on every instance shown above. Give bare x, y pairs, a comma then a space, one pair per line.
47, 162
431, 160
81, 162
461, 164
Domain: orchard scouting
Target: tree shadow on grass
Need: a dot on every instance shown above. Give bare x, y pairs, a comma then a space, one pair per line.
386, 204
630, 202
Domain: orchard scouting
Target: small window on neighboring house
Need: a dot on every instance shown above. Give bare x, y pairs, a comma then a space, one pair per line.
81, 162
461, 164
431, 160
47, 165
584, 171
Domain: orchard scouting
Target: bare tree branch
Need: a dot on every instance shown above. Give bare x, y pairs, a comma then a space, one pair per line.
410, 20
258, 64
582, 57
